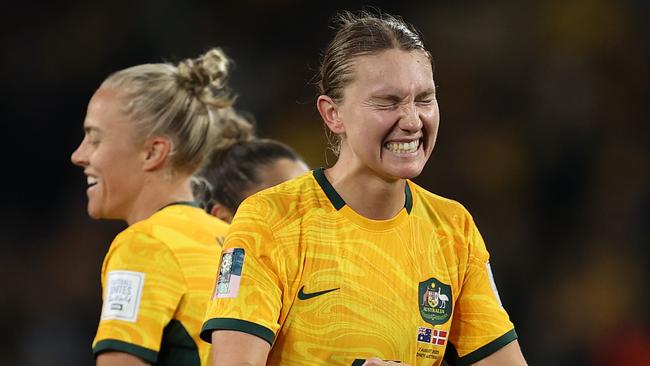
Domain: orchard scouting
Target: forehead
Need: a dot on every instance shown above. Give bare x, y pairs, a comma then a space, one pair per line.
403, 71
105, 112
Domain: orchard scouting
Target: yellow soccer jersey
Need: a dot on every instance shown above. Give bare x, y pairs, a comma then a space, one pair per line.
157, 279
326, 286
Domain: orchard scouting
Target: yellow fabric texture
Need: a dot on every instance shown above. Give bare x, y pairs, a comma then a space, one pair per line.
176, 251
296, 243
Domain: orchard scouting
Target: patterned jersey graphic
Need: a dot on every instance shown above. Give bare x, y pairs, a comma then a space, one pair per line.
157, 279
326, 286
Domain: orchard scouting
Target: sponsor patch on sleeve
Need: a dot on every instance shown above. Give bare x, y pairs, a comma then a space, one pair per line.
230, 269
492, 283
123, 293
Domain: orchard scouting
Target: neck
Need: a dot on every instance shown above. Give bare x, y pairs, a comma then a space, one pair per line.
157, 194
367, 194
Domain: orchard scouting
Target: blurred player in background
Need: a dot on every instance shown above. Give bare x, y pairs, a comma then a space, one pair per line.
148, 129
356, 264
242, 166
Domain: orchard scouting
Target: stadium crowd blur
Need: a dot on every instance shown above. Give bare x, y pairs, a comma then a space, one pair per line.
544, 138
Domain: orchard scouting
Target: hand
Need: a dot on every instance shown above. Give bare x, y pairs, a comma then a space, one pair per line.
378, 362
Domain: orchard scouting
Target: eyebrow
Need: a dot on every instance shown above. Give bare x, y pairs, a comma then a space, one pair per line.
387, 97
395, 98
426, 93
89, 129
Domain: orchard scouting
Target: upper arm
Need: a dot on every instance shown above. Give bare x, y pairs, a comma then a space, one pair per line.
234, 348
509, 355
248, 295
480, 325
119, 359
142, 287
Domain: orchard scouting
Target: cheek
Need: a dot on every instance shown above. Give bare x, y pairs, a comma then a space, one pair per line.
431, 119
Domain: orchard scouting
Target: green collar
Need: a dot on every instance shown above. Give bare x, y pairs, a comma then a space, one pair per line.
338, 202
184, 203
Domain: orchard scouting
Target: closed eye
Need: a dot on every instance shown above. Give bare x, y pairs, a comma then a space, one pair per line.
390, 106
425, 101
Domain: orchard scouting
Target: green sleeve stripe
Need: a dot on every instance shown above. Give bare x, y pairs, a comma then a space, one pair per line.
108, 345
451, 355
238, 325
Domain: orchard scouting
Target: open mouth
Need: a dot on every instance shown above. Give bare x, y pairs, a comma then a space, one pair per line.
91, 181
403, 147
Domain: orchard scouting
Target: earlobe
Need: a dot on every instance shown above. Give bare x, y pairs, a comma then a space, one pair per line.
221, 212
329, 111
158, 150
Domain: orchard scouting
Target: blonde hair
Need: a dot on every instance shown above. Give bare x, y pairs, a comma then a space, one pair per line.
186, 102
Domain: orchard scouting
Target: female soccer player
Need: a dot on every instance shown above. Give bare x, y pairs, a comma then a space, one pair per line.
356, 264
148, 129
239, 168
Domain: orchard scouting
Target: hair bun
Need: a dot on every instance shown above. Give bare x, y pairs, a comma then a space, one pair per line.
206, 78
233, 127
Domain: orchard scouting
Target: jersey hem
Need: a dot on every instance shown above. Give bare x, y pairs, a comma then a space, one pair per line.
107, 345
453, 359
237, 325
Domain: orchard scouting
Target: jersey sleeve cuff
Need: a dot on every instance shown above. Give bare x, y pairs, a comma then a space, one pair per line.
108, 345
451, 355
237, 325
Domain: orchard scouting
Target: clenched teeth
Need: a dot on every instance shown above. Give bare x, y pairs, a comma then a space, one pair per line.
403, 147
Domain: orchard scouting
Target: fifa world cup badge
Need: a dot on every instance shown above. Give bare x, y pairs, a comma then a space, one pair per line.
230, 271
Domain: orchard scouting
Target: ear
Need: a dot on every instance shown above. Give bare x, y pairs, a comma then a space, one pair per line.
221, 212
329, 111
156, 153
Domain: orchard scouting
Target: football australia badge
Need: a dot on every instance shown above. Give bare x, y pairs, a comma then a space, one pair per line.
435, 301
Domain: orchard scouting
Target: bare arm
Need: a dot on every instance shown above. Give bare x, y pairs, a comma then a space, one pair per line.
119, 359
234, 348
509, 355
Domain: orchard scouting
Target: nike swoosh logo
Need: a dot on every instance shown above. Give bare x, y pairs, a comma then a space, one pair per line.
304, 296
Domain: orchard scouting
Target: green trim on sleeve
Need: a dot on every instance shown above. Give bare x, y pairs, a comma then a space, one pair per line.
238, 325
107, 345
451, 355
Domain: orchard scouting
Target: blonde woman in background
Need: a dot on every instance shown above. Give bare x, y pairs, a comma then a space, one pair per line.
148, 129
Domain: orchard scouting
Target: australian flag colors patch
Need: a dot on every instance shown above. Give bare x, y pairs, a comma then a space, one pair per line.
433, 336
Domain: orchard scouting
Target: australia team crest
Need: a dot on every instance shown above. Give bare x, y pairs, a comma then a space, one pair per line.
435, 301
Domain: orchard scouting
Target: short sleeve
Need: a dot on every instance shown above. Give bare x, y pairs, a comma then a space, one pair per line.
480, 325
247, 295
142, 285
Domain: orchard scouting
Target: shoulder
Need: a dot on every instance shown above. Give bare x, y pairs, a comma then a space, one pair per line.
430, 203
286, 201
172, 227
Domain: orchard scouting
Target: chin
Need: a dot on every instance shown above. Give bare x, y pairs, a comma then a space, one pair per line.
407, 171
93, 213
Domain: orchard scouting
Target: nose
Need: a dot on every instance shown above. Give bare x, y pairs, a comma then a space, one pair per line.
410, 119
78, 156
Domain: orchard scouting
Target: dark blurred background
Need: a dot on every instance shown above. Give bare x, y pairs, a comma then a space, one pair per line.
544, 138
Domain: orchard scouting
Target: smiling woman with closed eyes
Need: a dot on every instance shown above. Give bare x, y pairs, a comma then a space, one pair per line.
356, 264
